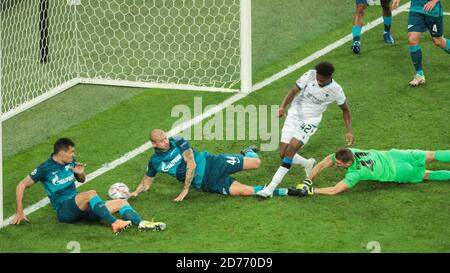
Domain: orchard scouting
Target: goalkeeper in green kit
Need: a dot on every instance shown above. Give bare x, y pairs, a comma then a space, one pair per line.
400, 166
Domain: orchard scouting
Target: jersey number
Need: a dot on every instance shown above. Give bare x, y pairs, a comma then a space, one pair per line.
308, 128
232, 160
365, 163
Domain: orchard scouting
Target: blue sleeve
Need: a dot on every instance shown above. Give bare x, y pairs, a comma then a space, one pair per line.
151, 172
38, 174
182, 144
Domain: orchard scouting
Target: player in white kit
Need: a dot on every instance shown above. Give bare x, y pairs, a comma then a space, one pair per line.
317, 90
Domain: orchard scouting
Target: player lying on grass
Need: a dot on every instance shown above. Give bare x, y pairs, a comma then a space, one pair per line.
361, 6
423, 15
202, 170
310, 96
58, 175
401, 166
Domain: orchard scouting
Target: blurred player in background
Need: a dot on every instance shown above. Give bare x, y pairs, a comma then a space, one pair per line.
423, 15
361, 6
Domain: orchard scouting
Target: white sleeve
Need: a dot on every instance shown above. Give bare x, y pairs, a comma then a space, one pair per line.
304, 79
340, 96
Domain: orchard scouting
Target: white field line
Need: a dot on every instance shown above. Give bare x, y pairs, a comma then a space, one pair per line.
146, 146
176, 130
445, 13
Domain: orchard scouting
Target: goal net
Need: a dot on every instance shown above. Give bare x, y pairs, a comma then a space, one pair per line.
49, 46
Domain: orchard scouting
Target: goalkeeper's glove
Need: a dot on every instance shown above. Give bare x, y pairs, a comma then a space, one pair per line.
305, 188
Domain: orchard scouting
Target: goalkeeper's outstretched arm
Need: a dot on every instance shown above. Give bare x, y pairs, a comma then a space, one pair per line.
327, 162
338, 188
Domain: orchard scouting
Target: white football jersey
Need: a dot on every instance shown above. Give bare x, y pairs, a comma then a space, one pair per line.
313, 100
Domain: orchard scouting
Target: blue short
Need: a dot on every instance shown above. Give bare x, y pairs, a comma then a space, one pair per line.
419, 22
218, 168
69, 212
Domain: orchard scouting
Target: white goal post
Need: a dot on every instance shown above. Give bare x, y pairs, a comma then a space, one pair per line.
49, 46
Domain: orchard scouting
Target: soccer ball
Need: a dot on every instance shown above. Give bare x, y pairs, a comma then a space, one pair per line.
118, 191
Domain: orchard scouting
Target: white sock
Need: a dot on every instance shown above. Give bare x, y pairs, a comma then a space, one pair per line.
277, 178
299, 160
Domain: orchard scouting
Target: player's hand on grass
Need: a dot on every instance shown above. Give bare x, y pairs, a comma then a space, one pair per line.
281, 112
20, 216
350, 139
430, 5
182, 195
395, 4
79, 168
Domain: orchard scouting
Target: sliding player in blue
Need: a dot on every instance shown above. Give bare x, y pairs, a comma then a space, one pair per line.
424, 15
202, 170
58, 175
361, 6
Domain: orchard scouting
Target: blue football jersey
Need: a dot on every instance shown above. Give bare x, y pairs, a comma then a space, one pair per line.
172, 162
417, 6
58, 180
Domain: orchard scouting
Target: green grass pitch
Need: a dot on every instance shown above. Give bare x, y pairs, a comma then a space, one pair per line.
386, 113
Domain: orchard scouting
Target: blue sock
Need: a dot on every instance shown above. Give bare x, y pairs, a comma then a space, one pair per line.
387, 23
257, 189
447, 46
286, 162
416, 57
280, 191
356, 31
250, 153
99, 208
129, 214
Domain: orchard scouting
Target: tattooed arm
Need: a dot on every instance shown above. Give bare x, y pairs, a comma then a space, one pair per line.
188, 157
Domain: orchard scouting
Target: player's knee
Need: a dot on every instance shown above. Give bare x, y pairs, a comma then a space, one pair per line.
248, 191
252, 163
413, 40
360, 11
426, 176
92, 193
245, 191
256, 163
123, 202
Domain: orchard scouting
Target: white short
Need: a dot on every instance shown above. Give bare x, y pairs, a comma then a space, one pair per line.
299, 127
